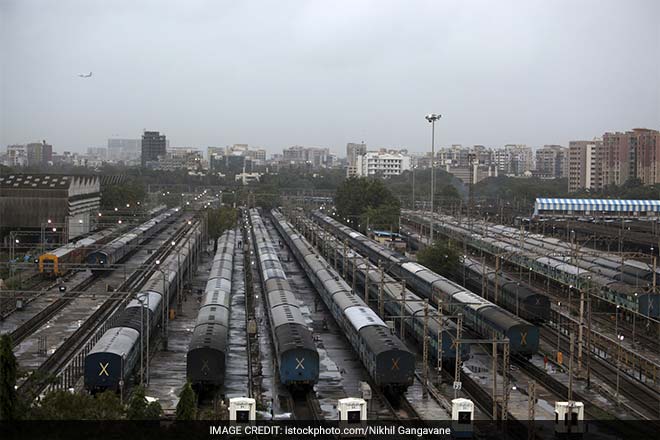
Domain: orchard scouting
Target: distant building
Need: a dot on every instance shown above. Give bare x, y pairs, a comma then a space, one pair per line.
551, 162
247, 178
354, 150
16, 156
124, 149
630, 155
181, 158
314, 157
153, 145
586, 165
472, 174
382, 164
97, 153
28, 201
520, 159
39, 153
257, 155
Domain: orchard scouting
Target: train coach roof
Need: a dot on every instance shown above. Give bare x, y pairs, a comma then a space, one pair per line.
286, 314
362, 316
213, 314
209, 335
502, 319
218, 297
117, 340
280, 297
380, 340
217, 283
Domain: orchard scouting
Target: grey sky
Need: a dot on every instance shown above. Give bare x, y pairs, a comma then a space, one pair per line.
280, 73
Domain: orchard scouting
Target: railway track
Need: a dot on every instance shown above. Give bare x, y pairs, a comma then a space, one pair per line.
41, 287
34, 323
55, 363
304, 406
644, 401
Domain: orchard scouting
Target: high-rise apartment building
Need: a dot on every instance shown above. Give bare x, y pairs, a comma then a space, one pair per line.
39, 153
354, 150
551, 162
586, 165
633, 154
154, 144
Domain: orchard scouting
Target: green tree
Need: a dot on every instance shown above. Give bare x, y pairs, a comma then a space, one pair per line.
220, 220
440, 258
137, 405
361, 200
154, 411
107, 406
8, 368
187, 407
449, 193
130, 192
63, 405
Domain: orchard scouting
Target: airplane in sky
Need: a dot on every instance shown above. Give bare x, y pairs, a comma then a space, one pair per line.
82, 75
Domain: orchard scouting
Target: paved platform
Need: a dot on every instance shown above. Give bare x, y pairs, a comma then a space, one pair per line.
168, 367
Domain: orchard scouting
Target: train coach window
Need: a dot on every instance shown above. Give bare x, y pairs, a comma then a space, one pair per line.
464, 417
242, 416
353, 417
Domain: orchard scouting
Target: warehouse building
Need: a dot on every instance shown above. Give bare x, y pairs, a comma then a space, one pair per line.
29, 201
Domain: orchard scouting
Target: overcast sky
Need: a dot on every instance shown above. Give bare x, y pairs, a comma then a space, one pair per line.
281, 73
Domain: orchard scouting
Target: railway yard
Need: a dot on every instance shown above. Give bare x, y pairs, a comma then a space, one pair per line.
296, 316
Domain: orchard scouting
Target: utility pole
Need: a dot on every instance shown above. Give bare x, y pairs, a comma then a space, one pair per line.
441, 328
531, 410
570, 368
484, 282
426, 349
366, 285
505, 384
457, 344
403, 309
381, 303
497, 283
344, 261
354, 266
589, 340
336, 253
494, 368
580, 332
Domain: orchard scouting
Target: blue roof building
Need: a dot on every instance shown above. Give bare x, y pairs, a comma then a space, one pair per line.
550, 207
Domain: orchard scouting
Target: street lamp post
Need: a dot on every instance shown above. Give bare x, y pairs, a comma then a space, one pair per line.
558, 325
634, 322
141, 300
432, 117
618, 367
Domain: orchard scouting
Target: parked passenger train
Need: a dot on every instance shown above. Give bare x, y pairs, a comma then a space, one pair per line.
113, 359
488, 319
295, 352
389, 362
118, 248
206, 359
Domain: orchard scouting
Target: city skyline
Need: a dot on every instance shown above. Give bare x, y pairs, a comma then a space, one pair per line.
532, 73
